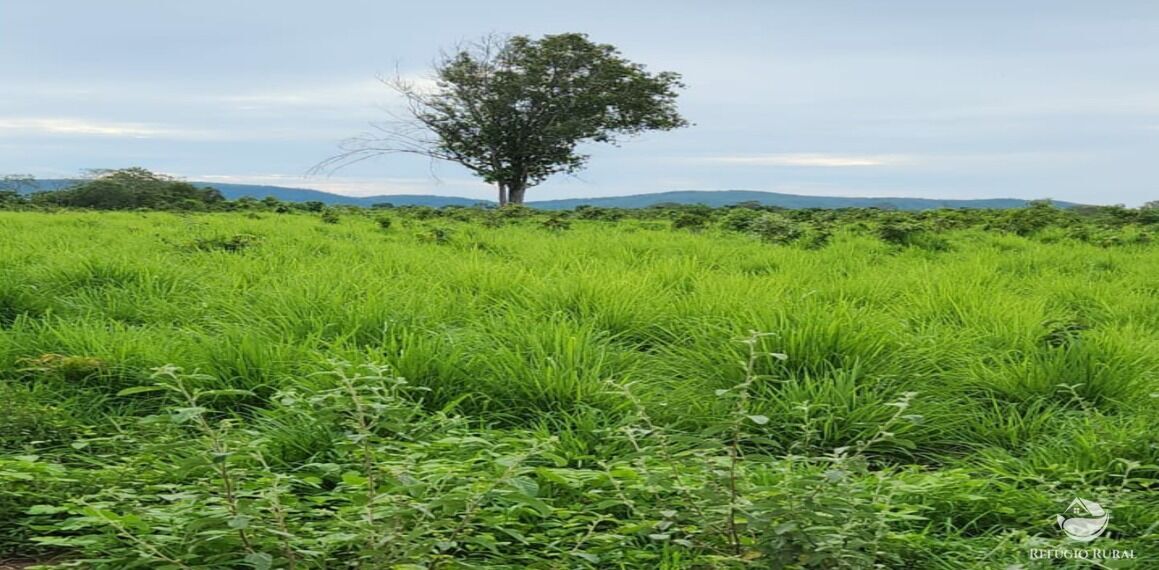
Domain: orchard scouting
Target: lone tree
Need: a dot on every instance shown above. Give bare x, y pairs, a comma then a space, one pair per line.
514, 110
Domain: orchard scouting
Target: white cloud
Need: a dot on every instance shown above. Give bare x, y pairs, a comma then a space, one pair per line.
350, 186
347, 95
85, 127
809, 160
81, 127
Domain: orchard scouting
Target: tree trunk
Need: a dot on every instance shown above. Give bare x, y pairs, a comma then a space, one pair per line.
515, 190
502, 194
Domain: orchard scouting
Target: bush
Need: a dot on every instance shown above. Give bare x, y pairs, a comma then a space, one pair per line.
384, 222
514, 212
815, 237
740, 219
690, 221
556, 224
586, 212
329, 217
132, 189
1037, 216
774, 228
437, 235
233, 243
897, 231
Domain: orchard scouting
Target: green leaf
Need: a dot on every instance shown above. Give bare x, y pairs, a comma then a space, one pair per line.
594, 559
260, 560
225, 392
759, 419
140, 390
182, 415
526, 485
45, 510
239, 522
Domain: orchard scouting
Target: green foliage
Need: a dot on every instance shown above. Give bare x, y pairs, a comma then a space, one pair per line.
740, 219
515, 110
775, 228
1034, 218
897, 231
12, 189
130, 189
556, 224
329, 216
464, 396
597, 213
228, 243
690, 221
436, 234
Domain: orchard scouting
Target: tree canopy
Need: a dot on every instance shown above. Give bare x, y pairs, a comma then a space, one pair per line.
515, 110
132, 188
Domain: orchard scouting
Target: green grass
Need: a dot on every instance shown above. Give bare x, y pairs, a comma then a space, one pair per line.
1034, 363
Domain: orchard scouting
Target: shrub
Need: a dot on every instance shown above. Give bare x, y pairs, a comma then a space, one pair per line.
384, 222
514, 212
897, 231
438, 235
815, 237
689, 221
329, 217
556, 224
132, 189
232, 243
586, 212
1036, 216
775, 228
740, 219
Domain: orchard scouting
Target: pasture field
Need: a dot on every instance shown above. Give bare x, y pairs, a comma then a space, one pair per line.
266, 390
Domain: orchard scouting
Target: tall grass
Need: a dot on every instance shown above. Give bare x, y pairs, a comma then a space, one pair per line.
1035, 365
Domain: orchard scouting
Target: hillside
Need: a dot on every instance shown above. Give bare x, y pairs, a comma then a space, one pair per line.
714, 198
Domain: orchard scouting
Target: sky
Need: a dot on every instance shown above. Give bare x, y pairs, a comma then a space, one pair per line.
1029, 99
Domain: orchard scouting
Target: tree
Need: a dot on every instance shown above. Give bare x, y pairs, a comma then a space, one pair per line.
132, 188
14, 186
514, 110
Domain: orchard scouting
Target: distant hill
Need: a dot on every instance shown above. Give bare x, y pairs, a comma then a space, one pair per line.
792, 201
235, 191
713, 198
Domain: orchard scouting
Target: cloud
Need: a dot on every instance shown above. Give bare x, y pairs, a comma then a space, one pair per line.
352, 186
321, 93
808, 160
79, 127
84, 127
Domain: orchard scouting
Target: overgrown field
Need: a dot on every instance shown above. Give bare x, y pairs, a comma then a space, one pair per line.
271, 390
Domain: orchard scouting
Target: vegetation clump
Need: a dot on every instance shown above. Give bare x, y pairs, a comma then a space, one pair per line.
228, 243
588, 399
131, 189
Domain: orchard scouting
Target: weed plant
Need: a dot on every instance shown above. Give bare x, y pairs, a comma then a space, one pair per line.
466, 388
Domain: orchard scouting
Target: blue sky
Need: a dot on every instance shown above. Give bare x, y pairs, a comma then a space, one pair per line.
1023, 99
